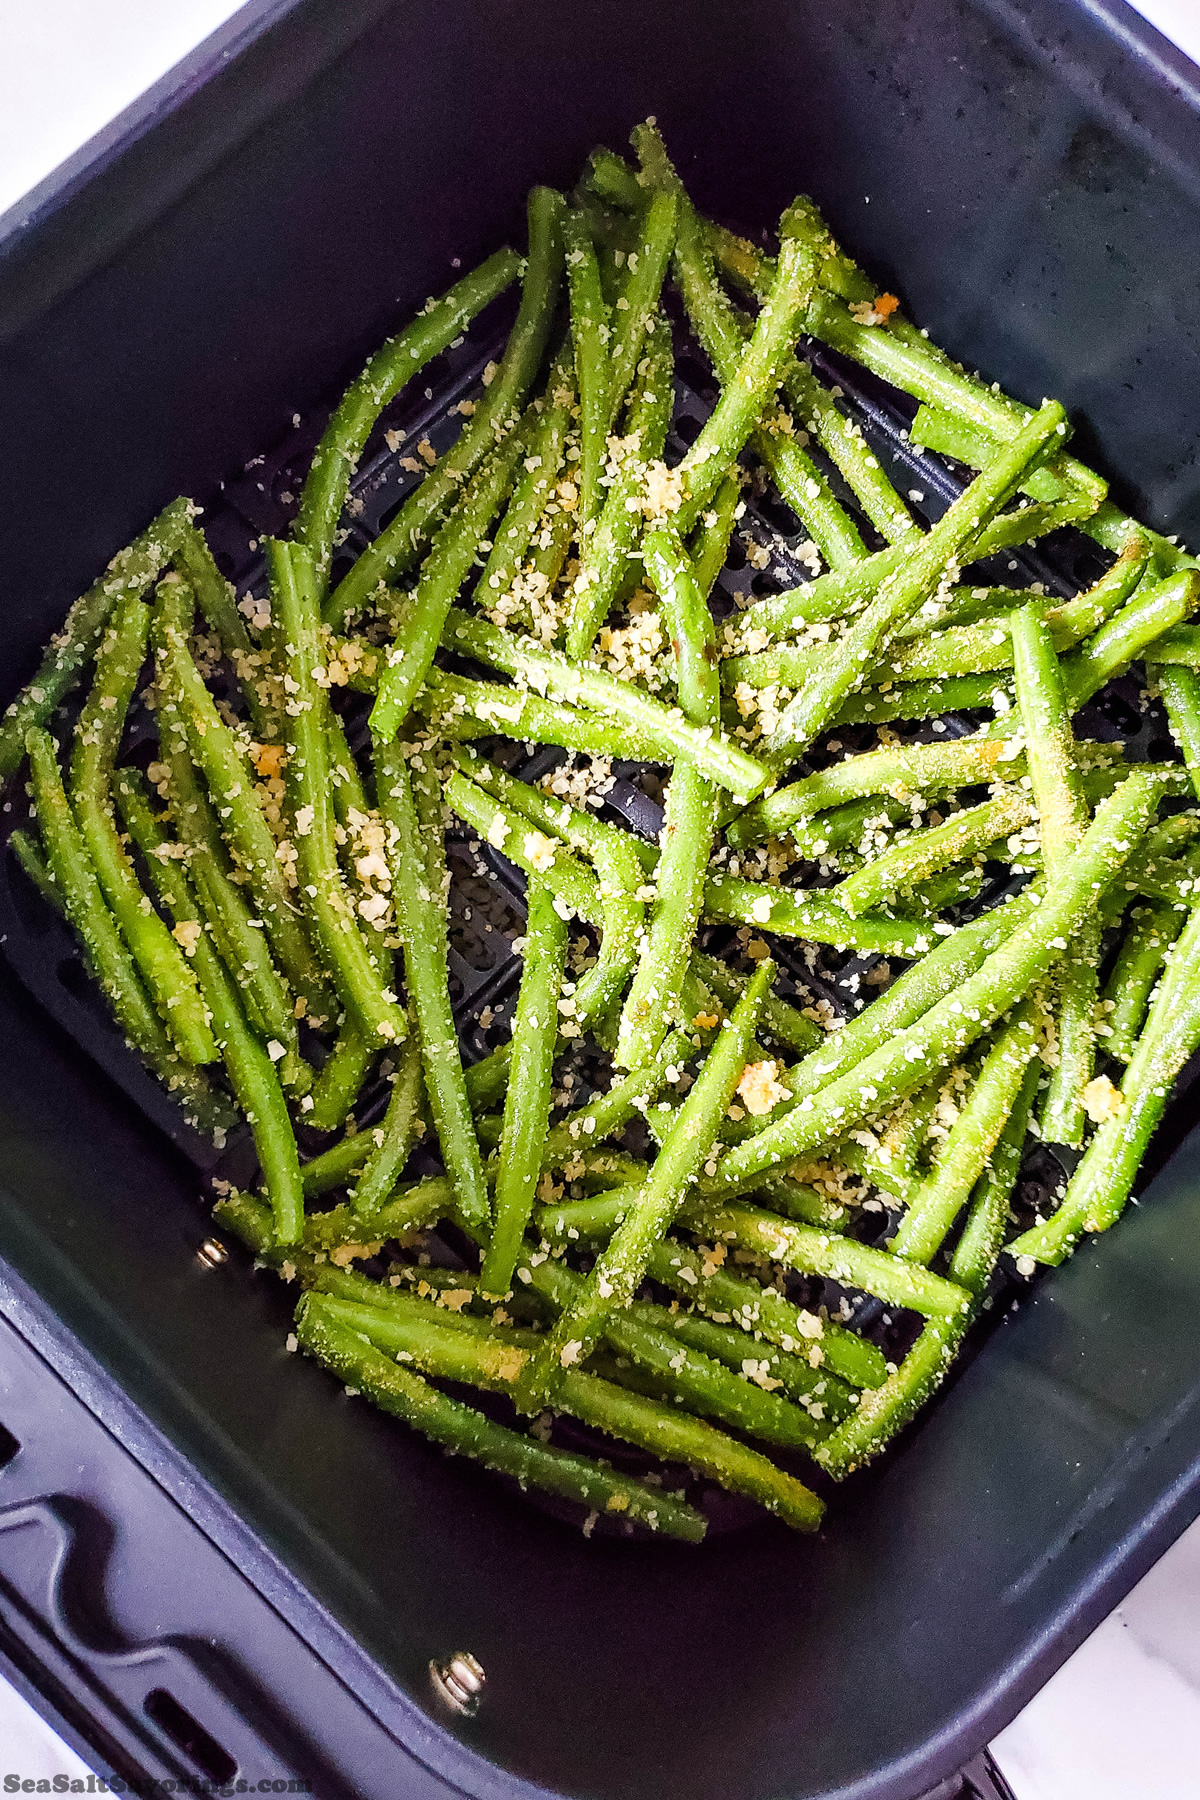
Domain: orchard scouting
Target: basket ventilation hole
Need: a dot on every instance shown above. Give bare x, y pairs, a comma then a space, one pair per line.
190, 1736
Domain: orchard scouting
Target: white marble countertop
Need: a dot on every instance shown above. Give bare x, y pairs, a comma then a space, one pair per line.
1121, 1720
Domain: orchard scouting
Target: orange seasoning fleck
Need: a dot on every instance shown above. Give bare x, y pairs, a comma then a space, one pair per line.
268, 759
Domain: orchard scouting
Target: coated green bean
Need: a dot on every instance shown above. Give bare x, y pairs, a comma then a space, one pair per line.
1098, 1190
127, 576
361, 986
465, 1432
83, 902
967, 1150
581, 684
818, 700
161, 963
527, 1100
443, 573
250, 1068
941, 1034
387, 373
618, 1271
399, 545
388, 1148
416, 857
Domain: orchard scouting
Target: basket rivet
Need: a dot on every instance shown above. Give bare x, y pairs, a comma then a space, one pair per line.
459, 1681
212, 1253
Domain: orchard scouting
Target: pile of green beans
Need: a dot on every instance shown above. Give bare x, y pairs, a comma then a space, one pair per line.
655, 1204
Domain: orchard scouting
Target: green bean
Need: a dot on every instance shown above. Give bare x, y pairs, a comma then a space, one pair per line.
75, 880
650, 1338
239, 937
902, 354
443, 573
910, 363
527, 1101
645, 265
797, 477
689, 623
709, 544
1178, 648
463, 1431
621, 1267
1049, 741
352, 811
195, 563
938, 975
885, 1411
1098, 1190
847, 589
1180, 689
590, 333
965, 649
817, 411
610, 176
461, 709
605, 551
663, 1429
584, 685
1063, 811
982, 1236
845, 666
127, 576
1152, 931
779, 1020
33, 861
337, 1166
841, 1259
699, 1277
911, 1055
550, 547
389, 1146
532, 851
159, 960
748, 386
413, 1207
535, 486
929, 700
387, 373
399, 545
361, 986
809, 913
652, 1003
842, 441
411, 805
846, 826
887, 1177
251, 1070
964, 834
598, 1215
621, 911
1109, 651
341, 1077
907, 1134
215, 749
825, 1400
901, 771
968, 1147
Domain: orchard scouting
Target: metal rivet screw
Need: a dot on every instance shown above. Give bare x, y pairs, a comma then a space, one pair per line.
459, 1681
212, 1253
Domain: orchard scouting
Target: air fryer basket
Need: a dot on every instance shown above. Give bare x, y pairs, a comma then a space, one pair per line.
165, 324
